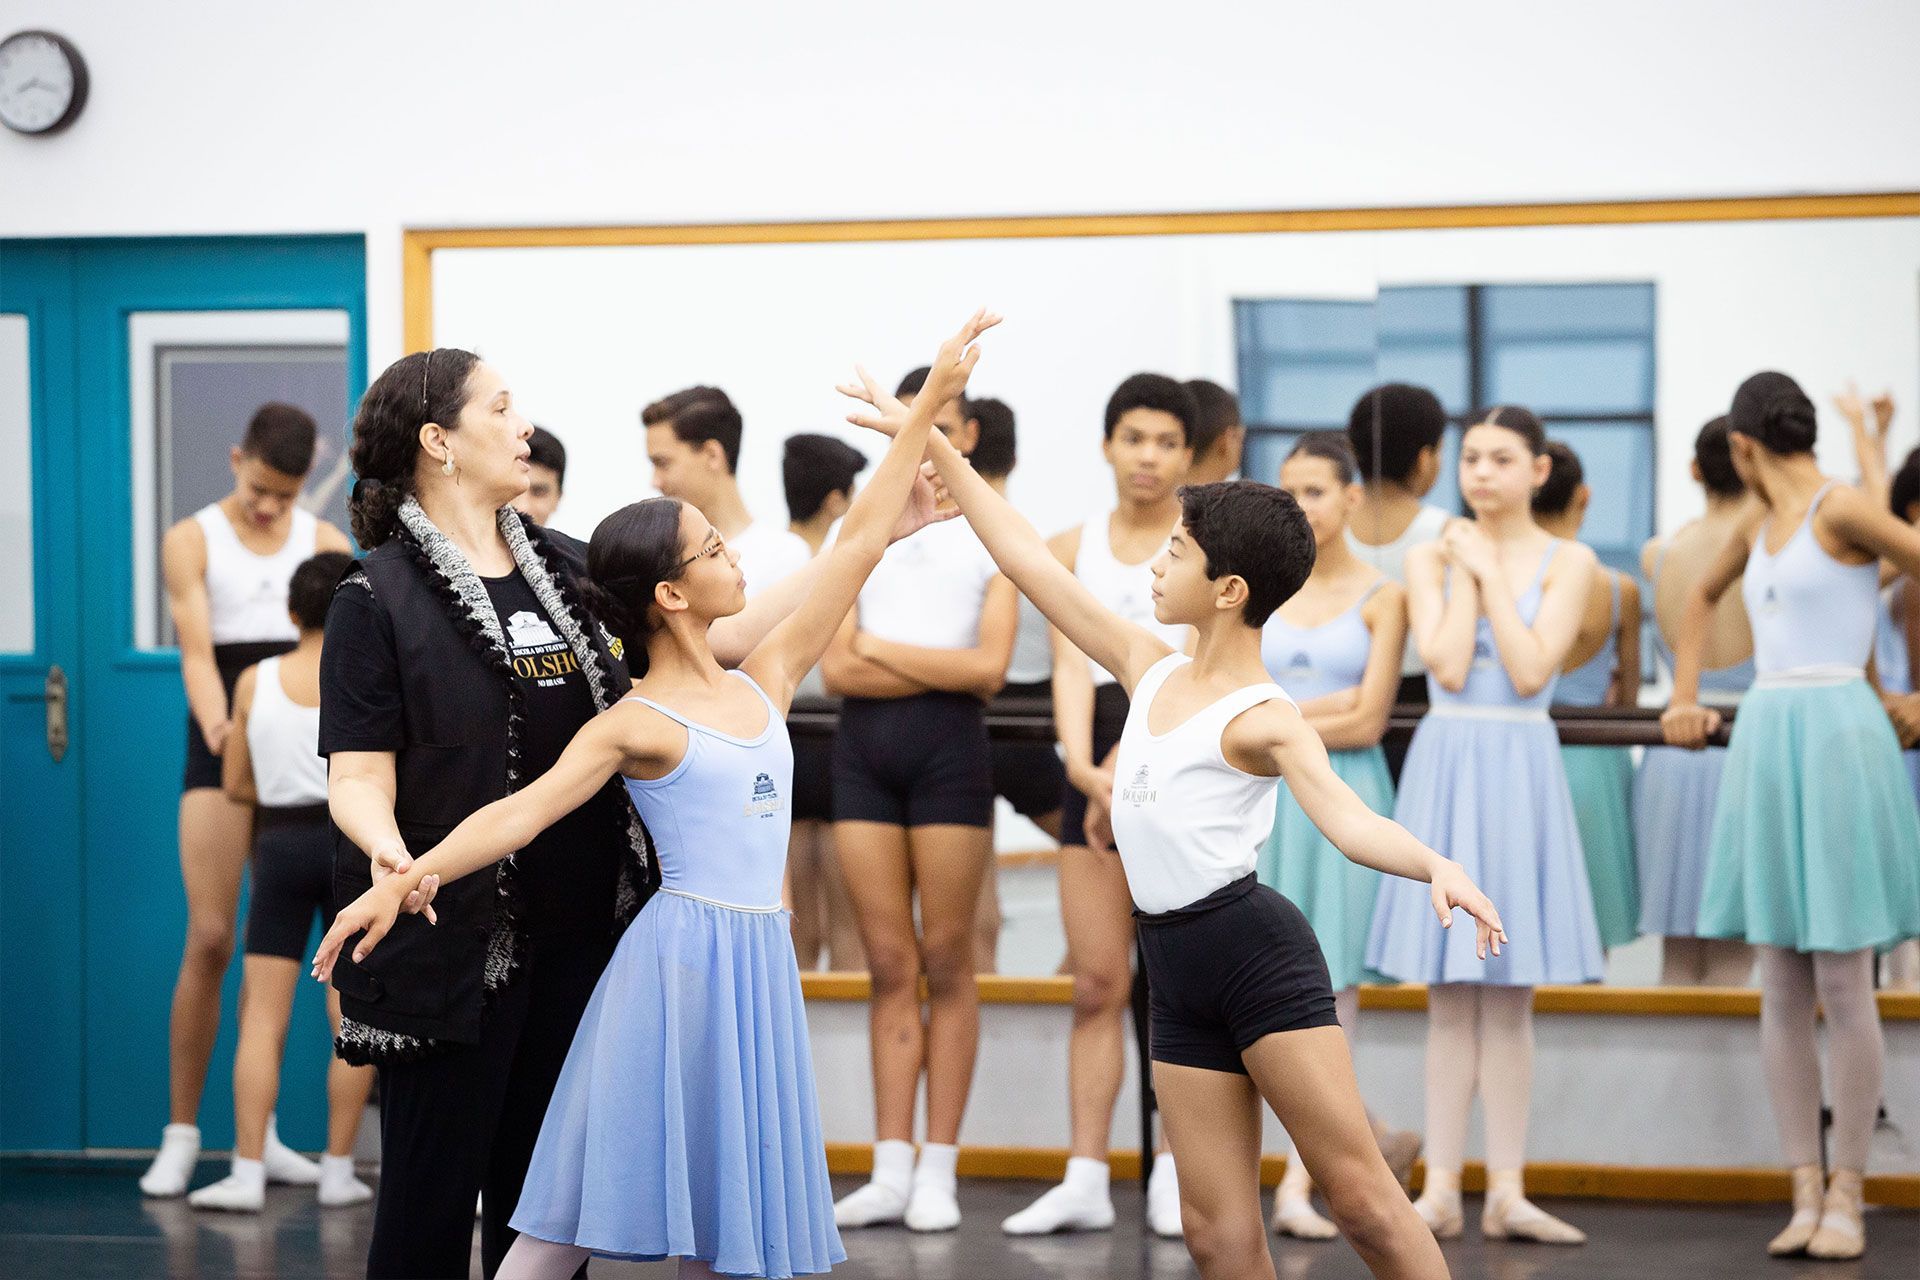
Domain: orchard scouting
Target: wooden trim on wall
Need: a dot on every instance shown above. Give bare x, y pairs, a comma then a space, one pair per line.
1553, 1178
1638, 1002
417, 245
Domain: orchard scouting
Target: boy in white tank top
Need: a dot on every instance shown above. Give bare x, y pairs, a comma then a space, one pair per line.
272, 764
226, 571
1222, 1046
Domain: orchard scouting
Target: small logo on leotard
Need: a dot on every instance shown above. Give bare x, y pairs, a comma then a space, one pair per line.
1770, 602
1482, 653
1301, 661
1140, 791
766, 798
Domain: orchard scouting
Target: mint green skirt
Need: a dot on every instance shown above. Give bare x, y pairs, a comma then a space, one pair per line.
1601, 780
1816, 838
1336, 895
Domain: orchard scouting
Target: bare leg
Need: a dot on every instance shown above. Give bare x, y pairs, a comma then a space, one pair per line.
844, 952
949, 861
1726, 962
1307, 1078
531, 1259
1097, 911
1212, 1119
347, 1090
987, 920
213, 854
873, 859
266, 1005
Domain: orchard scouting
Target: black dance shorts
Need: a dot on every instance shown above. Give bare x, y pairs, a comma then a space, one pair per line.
1109, 719
1029, 774
812, 778
913, 762
292, 880
1239, 964
203, 767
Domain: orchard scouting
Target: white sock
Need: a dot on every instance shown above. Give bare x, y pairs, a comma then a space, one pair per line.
892, 1164
284, 1164
1163, 1198
1083, 1202
243, 1190
172, 1166
1162, 1168
884, 1197
1087, 1176
938, 1166
338, 1183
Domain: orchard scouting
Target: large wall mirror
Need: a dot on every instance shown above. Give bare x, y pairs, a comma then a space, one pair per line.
1625, 326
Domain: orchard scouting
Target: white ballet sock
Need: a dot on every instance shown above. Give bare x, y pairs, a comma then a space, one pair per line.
1293, 1212
339, 1185
884, 1197
172, 1167
1082, 1202
1163, 1198
284, 1164
934, 1204
244, 1190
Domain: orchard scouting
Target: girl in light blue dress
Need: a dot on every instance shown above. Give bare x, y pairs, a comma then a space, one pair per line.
1335, 647
685, 1123
1495, 604
1677, 790
1600, 778
1815, 851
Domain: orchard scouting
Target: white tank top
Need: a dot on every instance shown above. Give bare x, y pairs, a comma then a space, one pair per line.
1127, 589
1184, 820
928, 590
283, 738
1032, 647
247, 593
1390, 558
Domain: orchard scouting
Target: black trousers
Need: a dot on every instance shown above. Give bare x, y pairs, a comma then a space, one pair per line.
463, 1121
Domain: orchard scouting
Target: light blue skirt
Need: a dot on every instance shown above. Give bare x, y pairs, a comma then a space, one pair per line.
1816, 840
685, 1123
1492, 795
1600, 780
1674, 799
1336, 895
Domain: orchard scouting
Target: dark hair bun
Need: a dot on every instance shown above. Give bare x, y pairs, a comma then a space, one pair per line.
1772, 409
613, 614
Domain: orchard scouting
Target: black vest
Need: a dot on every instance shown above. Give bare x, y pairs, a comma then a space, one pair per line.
429, 981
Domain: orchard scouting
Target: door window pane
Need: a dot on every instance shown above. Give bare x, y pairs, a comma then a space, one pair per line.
16, 487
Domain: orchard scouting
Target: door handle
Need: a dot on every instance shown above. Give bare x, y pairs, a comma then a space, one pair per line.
55, 696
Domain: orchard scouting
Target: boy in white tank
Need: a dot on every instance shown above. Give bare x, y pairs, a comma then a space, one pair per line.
1206, 742
226, 570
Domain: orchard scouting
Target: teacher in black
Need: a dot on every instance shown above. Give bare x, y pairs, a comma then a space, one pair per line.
459, 661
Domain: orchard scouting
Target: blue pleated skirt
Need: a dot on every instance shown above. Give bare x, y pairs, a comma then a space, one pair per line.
1816, 839
1600, 779
1492, 795
685, 1122
1336, 895
1674, 798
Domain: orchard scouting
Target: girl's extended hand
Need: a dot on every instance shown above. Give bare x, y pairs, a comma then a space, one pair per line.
1452, 888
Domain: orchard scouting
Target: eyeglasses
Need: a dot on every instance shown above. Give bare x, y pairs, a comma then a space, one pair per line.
716, 547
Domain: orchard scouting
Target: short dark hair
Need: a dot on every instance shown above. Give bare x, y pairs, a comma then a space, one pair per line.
545, 450
993, 453
1771, 409
1564, 475
1154, 391
310, 590
697, 415
914, 380
1390, 425
281, 435
1219, 412
1713, 454
814, 466
1906, 485
1522, 422
1329, 446
1255, 531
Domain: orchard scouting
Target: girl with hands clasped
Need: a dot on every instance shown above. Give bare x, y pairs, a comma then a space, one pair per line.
685, 1123
1495, 605
1815, 851
1242, 1008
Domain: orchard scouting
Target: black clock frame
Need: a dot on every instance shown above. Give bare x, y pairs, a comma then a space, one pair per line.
80, 81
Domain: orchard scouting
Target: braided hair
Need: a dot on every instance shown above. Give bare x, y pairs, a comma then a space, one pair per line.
427, 386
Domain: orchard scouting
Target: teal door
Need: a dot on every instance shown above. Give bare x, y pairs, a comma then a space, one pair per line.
144, 360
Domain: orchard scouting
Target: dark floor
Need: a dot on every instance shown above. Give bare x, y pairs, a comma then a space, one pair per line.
85, 1220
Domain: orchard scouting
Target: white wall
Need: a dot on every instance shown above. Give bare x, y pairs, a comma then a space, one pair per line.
587, 336
368, 115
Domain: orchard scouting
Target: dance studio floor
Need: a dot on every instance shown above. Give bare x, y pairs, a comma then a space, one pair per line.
84, 1220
